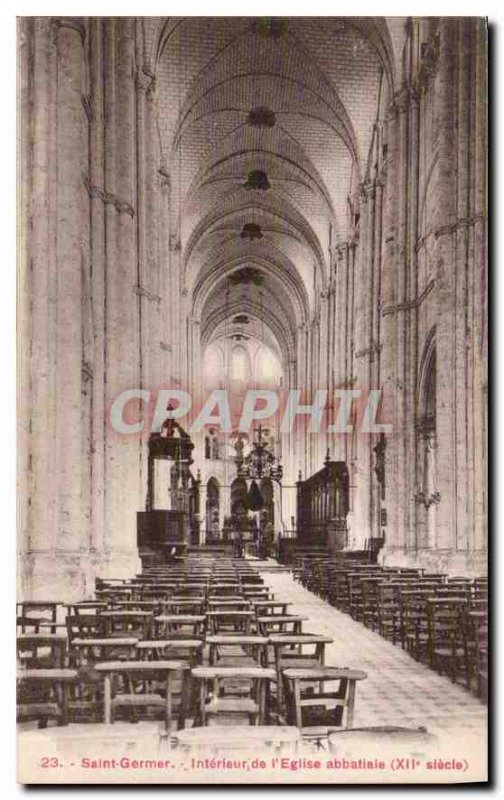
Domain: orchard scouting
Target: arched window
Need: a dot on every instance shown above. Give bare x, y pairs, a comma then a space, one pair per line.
212, 507
239, 371
212, 445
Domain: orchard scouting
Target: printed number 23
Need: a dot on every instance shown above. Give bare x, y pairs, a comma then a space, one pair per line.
49, 762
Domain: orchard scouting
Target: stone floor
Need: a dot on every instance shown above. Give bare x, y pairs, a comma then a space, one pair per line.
398, 690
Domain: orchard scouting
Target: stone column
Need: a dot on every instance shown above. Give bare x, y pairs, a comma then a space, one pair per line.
148, 192
401, 274
72, 270
123, 355
39, 284
97, 256
374, 345
363, 299
333, 349
445, 282
464, 412
388, 334
412, 375
324, 371
25, 77
479, 289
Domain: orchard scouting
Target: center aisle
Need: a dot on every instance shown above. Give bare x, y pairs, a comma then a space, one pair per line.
398, 689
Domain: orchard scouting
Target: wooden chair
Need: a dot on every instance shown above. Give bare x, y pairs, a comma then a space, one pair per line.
126, 624
480, 588
28, 624
86, 695
228, 604
152, 606
188, 651
86, 607
388, 610
112, 593
338, 594
181, 626
260, 594
191, 589
87, 652
138, 679
237, 650
251, 580
224, 588
84, 626
42, 650
478, 632
447, 646
285, 623
355, 598
229, 620
315, 710
414, 622
263, 608
369, 587
217, 685
45, 611
290, 651
183, 605
42, 694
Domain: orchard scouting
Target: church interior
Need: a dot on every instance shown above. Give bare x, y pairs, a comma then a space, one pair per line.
232, 216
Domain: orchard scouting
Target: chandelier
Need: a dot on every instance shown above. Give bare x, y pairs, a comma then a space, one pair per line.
259, 463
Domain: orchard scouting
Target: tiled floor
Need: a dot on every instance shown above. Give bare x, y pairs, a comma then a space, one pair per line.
398, 690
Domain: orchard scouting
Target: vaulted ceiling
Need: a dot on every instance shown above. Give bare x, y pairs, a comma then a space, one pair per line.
265, 126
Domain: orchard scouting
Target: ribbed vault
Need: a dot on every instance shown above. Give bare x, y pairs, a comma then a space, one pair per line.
265, 127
